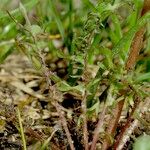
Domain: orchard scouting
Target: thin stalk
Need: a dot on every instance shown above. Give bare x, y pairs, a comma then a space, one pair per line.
45, 144
63, 120
143, 107
85, 130
113, 122
64, 124
70, 36
136, 46
98, 127
127, 124
21, 129
70, 28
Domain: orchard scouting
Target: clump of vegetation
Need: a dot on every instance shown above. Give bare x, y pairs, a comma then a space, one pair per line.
74, 74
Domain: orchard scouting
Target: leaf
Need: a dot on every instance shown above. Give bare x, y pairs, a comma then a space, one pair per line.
28, 6
92, 84
95, 107
138, 4
130, 99
108, 56
55, 78
57, 19
79, 59
113, 37
35, 29
144, 76
64, 87
110, 98
24, 13
4, 52
60, 54
36, 62
21, 128
117, 25
79, 88
142, 143
45, 144
132, 19
124, 44
106, 9
90, 5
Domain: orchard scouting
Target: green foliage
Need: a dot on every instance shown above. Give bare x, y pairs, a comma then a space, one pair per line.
57, 19
142, 143
16, 12
92, 39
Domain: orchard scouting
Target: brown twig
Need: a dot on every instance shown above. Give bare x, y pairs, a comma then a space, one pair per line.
64, 123
85, 131
130, 63
54, 102
98, 127
127, 124
142, 108
113, 123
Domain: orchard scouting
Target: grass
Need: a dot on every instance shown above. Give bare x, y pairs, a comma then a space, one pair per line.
86, 76
21, 129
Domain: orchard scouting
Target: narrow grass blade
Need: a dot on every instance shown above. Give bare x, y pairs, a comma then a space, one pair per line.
57, 19
125, 42
21, 129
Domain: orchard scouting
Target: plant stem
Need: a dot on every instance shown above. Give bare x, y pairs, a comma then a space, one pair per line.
142, 108
47, 73
64, 123
70, 28
127, 124
85, 131
130, 63
98, 127
21, 129
113, 122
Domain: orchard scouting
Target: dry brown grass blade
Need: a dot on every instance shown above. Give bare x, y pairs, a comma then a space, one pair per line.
21, 86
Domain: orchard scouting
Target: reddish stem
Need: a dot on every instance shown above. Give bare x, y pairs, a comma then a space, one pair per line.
131, 61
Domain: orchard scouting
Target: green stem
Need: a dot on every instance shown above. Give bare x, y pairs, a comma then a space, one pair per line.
21, 129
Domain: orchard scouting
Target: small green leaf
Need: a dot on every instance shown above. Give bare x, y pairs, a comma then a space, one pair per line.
144, 76
92, 84
138, 4
108, 56
36, 63
94, 107
4, 52
142, 143
63, 86
24, 13
60, 54
90, 5
124, 44
130, 99
35, 29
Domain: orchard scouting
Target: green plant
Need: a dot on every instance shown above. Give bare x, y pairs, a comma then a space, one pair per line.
100, 52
